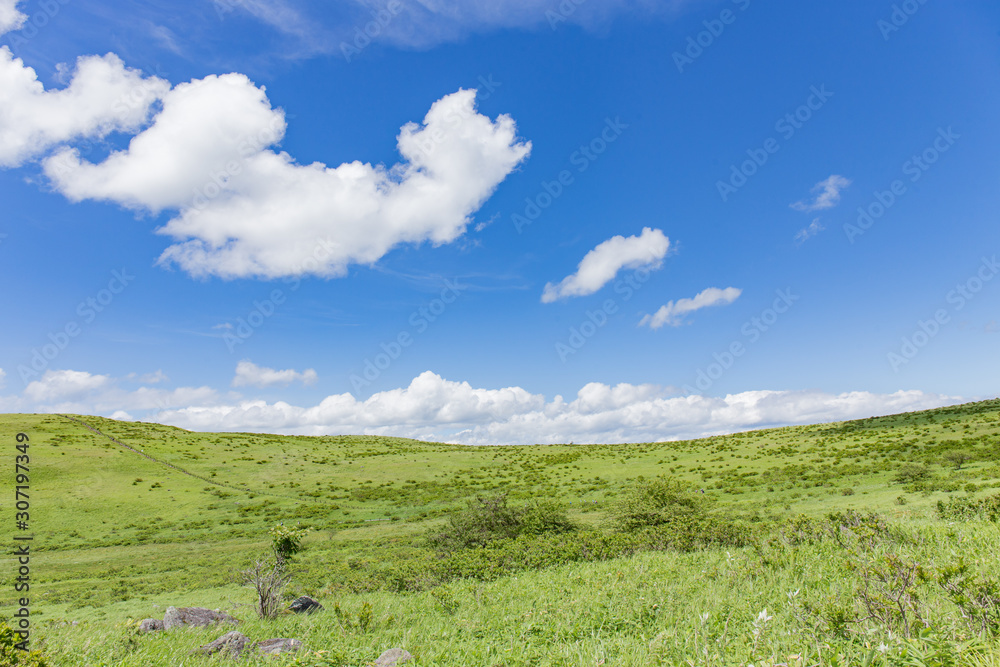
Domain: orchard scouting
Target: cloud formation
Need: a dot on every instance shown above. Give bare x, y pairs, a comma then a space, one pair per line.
673, 313
10, 17
102, 97
246, 211
599, 266
249, 374
434, 408
827, 194
204, 149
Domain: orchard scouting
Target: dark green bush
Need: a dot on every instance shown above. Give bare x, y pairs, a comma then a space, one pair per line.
486, 520
11, 656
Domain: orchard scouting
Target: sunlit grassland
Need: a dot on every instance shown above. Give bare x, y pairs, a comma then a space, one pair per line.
117, 533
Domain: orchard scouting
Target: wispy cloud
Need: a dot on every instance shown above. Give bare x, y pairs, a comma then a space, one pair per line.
673, 313
827, 194
803, 235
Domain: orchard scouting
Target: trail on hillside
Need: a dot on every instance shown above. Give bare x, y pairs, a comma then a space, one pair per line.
207, 480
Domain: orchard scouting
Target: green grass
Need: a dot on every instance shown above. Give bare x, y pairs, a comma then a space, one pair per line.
117, 533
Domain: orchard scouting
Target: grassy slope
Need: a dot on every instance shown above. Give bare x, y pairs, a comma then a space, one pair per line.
108, 546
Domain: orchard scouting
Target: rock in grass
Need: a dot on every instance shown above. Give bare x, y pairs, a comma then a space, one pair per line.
232, 643
305, 605
277, 646
393, 656
194, 616
150, 625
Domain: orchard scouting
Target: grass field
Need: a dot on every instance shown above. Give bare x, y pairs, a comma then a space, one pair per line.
134, 517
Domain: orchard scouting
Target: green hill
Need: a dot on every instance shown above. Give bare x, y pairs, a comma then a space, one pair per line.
126, 516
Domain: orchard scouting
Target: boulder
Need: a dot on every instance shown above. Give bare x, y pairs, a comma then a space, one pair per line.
278, 646
232, 643
305, 605
194, 616
393, 656
150, 625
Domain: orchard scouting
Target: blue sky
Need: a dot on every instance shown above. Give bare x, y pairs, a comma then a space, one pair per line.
649, 221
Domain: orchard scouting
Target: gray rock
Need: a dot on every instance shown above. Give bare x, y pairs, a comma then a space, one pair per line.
194, 616
232, 643
277, 646
305, 605
150, 625
393, 656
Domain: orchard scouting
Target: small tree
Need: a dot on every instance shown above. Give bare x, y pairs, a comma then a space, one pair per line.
958, 457
268, 581
286, 541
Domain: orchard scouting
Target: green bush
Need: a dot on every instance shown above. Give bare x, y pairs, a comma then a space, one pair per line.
660, 502
486, 520
11, 656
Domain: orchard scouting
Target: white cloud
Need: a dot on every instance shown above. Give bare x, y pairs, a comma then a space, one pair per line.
61, 385
599, 266
828, 194
81, 392
249, 374
814, 228
248, 211
3, 376
103, 96
10, 17
673, 313
437, 409
434, 408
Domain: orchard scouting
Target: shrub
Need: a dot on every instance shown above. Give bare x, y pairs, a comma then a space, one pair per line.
661, 502
11, 656
268, 581
286, 541
487, 520
912, 473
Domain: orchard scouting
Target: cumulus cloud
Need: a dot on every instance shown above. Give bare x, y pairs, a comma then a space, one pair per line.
10, 17
86, 393
102, 97
599, 266
437, 409
673, 313
827, 194
249, 374
248, 211
434, 408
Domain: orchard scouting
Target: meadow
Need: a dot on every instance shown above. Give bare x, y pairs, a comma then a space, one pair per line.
865, 542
